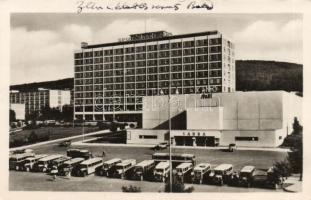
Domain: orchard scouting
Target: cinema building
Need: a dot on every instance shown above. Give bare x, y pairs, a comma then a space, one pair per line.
133, 79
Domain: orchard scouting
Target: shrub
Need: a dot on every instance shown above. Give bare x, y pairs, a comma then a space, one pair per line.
178, 186
32, 138
130, 189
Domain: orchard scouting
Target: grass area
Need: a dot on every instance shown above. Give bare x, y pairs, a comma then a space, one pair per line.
53, 132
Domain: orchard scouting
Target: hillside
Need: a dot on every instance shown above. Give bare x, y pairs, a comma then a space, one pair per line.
268, 75
250, 75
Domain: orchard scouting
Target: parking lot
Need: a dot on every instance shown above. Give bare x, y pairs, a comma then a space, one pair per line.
28, 181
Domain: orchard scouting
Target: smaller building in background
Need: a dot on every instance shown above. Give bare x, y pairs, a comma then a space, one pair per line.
36, 100
19, 109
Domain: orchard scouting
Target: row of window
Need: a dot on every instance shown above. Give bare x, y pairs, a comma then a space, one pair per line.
165, 46
186, 67
199, 58
154, 84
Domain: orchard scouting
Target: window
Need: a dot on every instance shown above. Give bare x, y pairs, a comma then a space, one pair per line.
148, 137
246, 138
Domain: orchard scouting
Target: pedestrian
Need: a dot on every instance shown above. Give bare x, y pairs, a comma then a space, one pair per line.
54, 171
104, 153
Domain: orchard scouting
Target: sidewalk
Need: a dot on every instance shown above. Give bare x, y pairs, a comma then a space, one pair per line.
292, 184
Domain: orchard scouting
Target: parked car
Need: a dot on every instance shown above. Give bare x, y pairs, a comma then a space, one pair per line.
17, 160
144, 170
107, 168
69, 167
246, 176
29, 162
123, 168
160, 146
43, 163
183, 172
65, 143
57, 162
89, 166
232, 147
221, 174
79, 153
200, 173
161, 171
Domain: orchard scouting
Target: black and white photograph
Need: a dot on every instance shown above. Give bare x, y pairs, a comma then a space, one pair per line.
155, 102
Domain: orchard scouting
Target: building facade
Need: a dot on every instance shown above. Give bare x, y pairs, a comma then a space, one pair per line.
36, 100
112, 78
251, 119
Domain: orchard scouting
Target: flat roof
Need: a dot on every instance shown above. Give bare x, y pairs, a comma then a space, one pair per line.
144, 163
223, 166
248, 168
73, 160
125, 162
183, 165
91, 160
112, 160
162, 165
202, 166
152, 40
50, 157
38, 156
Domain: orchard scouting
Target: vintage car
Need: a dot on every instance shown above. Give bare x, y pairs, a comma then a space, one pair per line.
161, 171
183, 172
143, 170
17, 160
200, 173
221, 174
89, 166
107, 168
69, 166
246, 176
30, 162
43, 163
123, 168
79, 153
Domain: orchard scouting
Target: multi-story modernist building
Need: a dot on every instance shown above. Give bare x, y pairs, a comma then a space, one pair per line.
112, 78
36, 100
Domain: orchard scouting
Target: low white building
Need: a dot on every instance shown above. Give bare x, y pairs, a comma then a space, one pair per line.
256, 119
19, 109
36, 100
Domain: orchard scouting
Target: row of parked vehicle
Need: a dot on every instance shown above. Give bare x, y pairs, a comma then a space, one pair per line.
80, 162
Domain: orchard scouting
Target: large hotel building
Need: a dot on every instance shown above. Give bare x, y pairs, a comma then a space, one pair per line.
112, 78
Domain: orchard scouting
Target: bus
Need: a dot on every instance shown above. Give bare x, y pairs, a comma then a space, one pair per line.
29, 162
43, 163
89, 166
183, 172
16, 160
107, 167
143, 170
122, 169
69, 166
200, 172
57, 162
79, 153
221, 174
161, 171
176, 158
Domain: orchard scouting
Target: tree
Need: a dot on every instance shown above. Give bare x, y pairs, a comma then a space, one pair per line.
12, 116
33, 138
67, 113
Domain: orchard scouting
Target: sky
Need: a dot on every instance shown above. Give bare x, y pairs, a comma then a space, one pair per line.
42, 44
